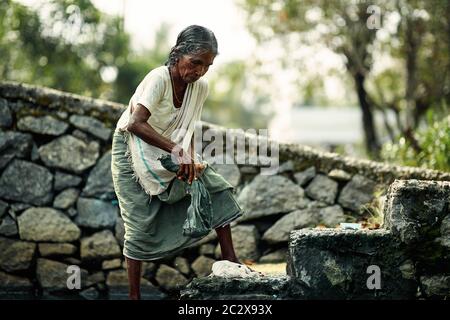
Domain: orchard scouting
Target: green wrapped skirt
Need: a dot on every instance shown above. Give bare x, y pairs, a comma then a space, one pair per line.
154, 224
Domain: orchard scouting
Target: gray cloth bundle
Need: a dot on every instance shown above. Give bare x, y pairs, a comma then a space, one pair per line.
200, 213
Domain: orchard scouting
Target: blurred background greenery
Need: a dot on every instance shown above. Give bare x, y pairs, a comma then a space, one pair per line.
398, 70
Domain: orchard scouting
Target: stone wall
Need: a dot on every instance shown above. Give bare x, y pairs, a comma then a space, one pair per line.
58, 207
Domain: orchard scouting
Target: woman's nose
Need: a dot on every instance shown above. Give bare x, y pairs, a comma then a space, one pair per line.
200, 71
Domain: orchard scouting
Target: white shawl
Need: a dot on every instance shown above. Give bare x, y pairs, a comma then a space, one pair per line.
148, 171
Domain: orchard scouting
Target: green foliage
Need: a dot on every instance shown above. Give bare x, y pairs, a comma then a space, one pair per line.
133, 68
410, 50
69, 45
434, 141
225, 105
65, 48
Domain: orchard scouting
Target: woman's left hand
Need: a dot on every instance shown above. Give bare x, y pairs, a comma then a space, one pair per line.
190, 171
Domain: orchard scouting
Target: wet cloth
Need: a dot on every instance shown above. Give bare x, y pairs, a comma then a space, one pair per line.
154, 224
228, 269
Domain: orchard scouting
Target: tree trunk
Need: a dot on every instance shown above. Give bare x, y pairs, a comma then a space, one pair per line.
411, 48
370, 136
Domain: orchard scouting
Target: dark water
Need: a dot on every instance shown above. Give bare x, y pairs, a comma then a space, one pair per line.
28, 295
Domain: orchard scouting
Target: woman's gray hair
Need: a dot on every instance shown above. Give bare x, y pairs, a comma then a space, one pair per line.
193, 39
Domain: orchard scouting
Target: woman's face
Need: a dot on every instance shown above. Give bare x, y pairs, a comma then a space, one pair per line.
192, 67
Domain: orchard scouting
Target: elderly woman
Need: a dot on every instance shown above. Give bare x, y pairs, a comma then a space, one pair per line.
159, 120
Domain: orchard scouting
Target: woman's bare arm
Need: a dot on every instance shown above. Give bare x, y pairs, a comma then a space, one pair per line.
139, 126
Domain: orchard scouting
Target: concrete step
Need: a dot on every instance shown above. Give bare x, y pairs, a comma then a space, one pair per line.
261, 288
350, 264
